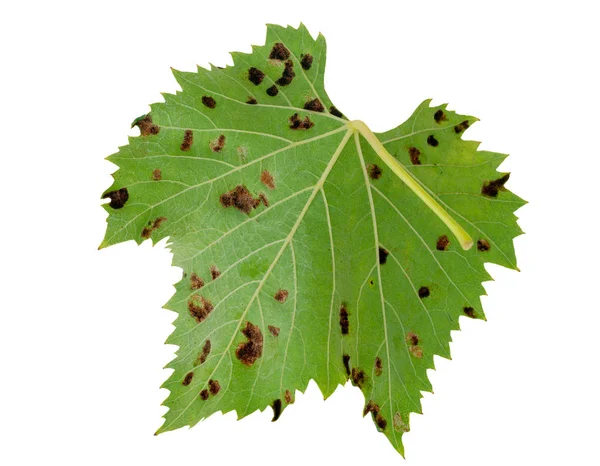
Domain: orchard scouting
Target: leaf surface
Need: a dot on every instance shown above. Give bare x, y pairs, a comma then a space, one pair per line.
304, 254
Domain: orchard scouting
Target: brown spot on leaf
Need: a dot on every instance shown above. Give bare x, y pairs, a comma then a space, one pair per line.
214, 272
414, 155
201, 359
416, 351
188, 140
214, 386
346, 361
187, 379
412, 338
272, 91
216, 145
279, 52
442, 243
432, 141
358, 377
274, 330
461, 127
371, 407
483, 245
344, 322
378, 366
374, 171
288, 74
255, 76
276, 409
263, 198
399, 424
251, 100
199, 307
469, 311
423, 292
297, 123
306, 61
118, 198
439, 116
380, 421
149, 229
288, 397
314, 105
267, 179
335, 112
209, 101
491, 188
249, 351
157, 175
383, 253
240, 198
146, 126
281, 296
204, 394
196, 282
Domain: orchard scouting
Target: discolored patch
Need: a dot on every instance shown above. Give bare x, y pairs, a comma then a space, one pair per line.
216, 145
335, 112
214, 272
383, 254
255, 76
314, 105
249, 351
196, 282
412, 338
147, 128
378, 366
424, 292
279, 52
251, 100
274, 330
306, 61
414, 155
187, 379
297, 123
204, 394
432, 141
469, 311
380, 421
399, 424
461, 127
281, 296
416, 351
209, 101
214, 386
346, 361
374, 171
188, 140
483, 245
491, 188
273, 90
344, 322
288, 397
157, 175
442, 243
276, 409
153, 225
288, 74
358, 377
201, 359
267, 179
439, 116
118, 198
263, 198
371, 407
199, 307
240, 198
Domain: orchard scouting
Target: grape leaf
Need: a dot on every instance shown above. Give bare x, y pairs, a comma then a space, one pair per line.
311, 248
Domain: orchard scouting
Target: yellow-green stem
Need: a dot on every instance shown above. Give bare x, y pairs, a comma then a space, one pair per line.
462, 236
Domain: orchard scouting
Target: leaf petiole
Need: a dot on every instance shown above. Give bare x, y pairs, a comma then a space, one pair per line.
461, 235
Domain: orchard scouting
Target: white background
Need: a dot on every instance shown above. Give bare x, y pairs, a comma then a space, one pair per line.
82, 331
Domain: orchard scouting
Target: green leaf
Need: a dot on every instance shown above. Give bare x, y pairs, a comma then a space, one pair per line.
311, 247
